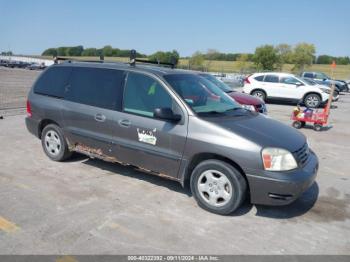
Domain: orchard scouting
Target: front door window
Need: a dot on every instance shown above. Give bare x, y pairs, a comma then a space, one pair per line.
143, 94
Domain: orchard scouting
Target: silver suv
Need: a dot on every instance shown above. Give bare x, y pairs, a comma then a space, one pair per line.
171, 123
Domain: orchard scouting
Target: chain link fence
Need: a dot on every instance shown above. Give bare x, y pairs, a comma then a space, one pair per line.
15, 82
14, 87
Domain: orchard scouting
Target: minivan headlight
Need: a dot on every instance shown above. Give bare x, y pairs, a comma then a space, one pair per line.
249, 107
278, 159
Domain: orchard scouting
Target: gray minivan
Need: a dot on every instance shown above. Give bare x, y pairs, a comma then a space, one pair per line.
172, 123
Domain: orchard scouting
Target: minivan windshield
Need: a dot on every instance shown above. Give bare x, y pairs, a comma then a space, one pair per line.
217, 82
200, 94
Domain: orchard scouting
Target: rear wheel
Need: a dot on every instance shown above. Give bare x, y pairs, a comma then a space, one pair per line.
312, 100
218, 187
259, 93
54, 143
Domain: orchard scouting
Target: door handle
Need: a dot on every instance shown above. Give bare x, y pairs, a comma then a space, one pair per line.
100, 117
124, 123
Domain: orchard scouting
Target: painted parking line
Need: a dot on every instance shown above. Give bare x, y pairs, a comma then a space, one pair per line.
7, 226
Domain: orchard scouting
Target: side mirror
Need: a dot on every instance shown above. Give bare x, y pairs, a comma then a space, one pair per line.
167, 114
299, 84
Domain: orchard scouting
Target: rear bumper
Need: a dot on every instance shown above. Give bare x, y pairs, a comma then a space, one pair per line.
281, 188
32, 126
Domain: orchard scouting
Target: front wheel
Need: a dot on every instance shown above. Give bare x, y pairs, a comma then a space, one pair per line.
312, 100
298, 124
218, 187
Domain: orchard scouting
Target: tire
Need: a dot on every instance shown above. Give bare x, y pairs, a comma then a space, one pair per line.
312, 101
336, 95
259, 93
317, 127
297, 124
218, 187
54, 144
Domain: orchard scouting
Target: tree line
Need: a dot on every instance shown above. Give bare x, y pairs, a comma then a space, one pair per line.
269, 57
81, 51
265, 57
109, 51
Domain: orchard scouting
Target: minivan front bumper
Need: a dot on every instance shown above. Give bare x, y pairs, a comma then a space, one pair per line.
281, 188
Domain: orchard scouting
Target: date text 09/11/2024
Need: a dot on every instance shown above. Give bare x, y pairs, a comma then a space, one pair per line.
173, 258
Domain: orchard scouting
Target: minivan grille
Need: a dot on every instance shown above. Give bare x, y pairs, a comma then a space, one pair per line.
302, 154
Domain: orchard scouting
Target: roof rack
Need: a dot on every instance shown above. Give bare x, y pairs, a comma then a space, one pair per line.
69, 60
133, 60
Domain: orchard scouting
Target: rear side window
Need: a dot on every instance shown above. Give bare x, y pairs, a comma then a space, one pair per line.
97, 87
309, 75
53, 82
271, 78
289, 80
259, 78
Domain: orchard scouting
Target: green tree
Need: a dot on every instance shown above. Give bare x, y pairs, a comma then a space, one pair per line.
343, 60
89, 52
303, 55
196, 61
115, 52
165, 57
75, 50
284, 53
50, 52
213, 54
107, 50
62, 51
265, 57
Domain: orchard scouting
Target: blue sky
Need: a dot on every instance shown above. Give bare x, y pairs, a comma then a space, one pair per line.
29, 27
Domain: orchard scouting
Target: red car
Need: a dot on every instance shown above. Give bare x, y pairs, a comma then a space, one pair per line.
247, 101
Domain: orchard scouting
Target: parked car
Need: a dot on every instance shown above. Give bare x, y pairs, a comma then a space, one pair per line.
324, 79
247, 101
3, 62
165, 122
17, 64
314, 83
285, 87
36, 66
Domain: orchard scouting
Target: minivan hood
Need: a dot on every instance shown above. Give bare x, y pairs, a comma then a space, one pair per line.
262, 130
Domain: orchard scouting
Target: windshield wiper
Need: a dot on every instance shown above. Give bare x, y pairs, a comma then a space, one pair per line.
213, 112
237, 108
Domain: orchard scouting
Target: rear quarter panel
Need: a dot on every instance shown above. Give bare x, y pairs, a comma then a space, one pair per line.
45, 108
